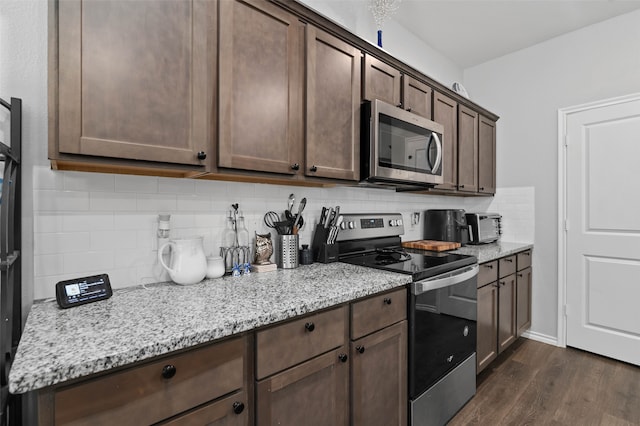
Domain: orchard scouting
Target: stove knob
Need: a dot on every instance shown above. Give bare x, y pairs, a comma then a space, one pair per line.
352, 225
343, 225
399, 222
393, 222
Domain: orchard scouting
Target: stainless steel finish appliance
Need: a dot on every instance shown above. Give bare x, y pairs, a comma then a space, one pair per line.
400, 148
446, 225
442, 313
484, 227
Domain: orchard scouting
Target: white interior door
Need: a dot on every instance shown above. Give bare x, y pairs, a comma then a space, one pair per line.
603, 236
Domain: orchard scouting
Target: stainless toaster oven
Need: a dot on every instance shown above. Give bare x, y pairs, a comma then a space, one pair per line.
484, 227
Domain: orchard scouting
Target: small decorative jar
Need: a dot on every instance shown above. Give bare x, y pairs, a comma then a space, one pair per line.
215, 267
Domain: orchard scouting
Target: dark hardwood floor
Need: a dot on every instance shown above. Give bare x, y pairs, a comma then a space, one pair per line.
533, 383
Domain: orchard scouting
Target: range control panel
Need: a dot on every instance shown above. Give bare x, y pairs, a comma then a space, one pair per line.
356, 226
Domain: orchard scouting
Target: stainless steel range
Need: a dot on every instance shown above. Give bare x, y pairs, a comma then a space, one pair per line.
442, 311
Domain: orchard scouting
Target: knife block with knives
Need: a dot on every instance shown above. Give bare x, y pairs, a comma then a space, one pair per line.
322, 251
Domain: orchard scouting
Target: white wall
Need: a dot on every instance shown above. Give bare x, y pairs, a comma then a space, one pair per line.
526, 89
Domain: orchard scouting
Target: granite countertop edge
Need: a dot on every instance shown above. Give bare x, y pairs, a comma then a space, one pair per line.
492, 251
142, 322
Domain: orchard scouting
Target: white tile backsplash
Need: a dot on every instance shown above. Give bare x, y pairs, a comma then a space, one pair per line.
84, 225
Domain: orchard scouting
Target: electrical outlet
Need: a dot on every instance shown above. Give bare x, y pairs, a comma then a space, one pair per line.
415, 218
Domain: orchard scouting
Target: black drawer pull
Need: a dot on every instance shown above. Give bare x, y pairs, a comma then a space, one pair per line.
295, 166
343, 357
520, 275
168, 371
360, 349
387, 300
202, 155
310, 326
313, 168
508, 259
490, 266
238, 407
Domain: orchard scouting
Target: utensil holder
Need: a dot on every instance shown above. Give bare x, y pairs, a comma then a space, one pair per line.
287, 253
323, 252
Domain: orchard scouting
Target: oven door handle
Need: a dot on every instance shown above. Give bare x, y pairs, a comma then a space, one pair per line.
444, 280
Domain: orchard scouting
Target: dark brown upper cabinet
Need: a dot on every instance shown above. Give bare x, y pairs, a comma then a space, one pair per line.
261, 61
416, 96
130, 80
381, 81
445, 112
467, 149
333, 75
486, 156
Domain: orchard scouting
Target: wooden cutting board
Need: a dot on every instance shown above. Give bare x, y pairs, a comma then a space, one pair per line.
431, 245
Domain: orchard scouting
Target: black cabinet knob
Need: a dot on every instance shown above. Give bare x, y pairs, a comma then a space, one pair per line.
295, 166
521, 275
238, 407
387, 301
461, 186
202, 155
168, 371
507, 259
313, 168
343, 357
409, 109
489, 266
399, 105
360, 349
309, 326
482, 188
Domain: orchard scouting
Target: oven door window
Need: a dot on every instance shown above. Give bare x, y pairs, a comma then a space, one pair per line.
404, 146
442, 334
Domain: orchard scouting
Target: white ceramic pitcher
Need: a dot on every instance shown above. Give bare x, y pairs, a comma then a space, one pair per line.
188, 261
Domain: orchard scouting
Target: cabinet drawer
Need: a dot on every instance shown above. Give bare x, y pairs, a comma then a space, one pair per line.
141, 395
507, 266
488, 273
524, 260
230, 411
378, 312
285, 345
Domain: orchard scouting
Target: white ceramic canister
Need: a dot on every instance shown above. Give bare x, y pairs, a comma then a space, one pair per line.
215, 267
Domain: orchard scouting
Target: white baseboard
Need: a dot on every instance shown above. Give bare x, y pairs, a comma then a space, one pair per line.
539, 337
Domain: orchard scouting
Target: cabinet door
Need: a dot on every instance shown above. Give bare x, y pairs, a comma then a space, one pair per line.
445, 112
506, 312
487, 156
379, 377
333, 107
523, 308
381, 81
230, 411
467, 149
134, 81
416, 96
310, 394
487, 347
260, 87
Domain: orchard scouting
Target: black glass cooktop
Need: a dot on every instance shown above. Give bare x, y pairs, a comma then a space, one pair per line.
419, 263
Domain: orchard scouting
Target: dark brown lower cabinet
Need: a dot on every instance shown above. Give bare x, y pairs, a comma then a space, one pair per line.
230, 411
506, 312
312, 393
379, 377
523, 309
487, 348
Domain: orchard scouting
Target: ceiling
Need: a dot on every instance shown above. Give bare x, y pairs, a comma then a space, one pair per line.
470, 32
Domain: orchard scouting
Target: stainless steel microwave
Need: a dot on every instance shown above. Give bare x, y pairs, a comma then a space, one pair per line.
400, 148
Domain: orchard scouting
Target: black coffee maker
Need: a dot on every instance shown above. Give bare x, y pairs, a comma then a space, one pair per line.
446, 225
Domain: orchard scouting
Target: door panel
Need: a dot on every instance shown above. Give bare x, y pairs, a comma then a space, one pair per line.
603, 237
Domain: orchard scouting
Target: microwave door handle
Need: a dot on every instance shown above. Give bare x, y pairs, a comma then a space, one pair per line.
435, 166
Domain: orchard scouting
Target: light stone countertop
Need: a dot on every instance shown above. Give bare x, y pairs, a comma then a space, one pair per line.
143, 322
488, 252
